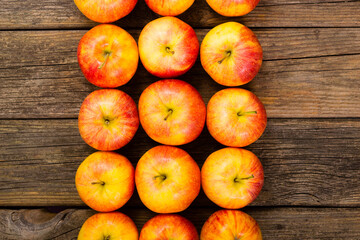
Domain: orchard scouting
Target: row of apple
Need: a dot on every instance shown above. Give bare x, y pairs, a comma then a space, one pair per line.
223, 224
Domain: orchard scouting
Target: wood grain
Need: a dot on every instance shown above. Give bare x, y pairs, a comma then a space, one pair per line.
307, 162
275, 223
306, 73
63, 14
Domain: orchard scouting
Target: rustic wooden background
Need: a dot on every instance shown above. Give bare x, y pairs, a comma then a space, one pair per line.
309, 83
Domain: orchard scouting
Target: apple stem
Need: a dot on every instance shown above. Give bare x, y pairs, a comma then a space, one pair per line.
228, 53
107, 54
170, 111
246, 113
246, 178
169, 51
100, 182
162, 177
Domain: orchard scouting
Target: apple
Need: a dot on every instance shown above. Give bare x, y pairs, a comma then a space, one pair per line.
233, 8
232, 177
169, 7
231, 54
108, 56
168, 226
172, 112
168, 47
230, 225
105, 181
105, 11
108, 119
235, 117
167, 179
108, 226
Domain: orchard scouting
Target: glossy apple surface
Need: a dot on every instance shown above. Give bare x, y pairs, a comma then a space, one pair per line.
108, 56
232, 177
168, 226
108, 119
230, 225
108, 226
172, 112
167, 179
105, 181
168, 47
231, 54
235, 117
233, 8
105, 11
169, 7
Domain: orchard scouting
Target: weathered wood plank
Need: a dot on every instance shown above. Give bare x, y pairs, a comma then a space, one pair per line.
275, 223
307, 162
61, 14
306, 73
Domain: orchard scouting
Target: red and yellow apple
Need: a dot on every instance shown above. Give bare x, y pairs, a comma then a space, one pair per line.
108, 56
108, 119
105, 181
172, 112
169, 7
230, 225
231, 54
168, 226
105, 11
233, 8
232, 177
108, 226
167, 179
235, 117
168, 47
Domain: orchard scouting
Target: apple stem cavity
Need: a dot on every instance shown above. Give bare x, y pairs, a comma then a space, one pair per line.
228, 54
170, 111
246, 113
237, 180
168, 50
106, 237
102, 183
107, 55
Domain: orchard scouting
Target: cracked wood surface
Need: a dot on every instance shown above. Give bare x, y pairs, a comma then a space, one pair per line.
306, 73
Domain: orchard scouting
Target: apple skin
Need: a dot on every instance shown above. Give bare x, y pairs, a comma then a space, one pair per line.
108, 119
231, 54
168, 226
232, 177
236, 117
230, 225
233, 8
108, 56
105, 181
105, 11
113, 225
172, 112
168, 47
167, 179
169, 7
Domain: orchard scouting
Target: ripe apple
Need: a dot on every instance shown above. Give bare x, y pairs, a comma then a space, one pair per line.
231, 54
235, 117
232, 177
108, 226
105, 11
172, 112
105, 181
230, 225
168, 226
233, 8
108, 119
167, 179
168, 47
108, 56
169, 7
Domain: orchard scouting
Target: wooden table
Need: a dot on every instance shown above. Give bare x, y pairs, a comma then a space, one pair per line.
309, 83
